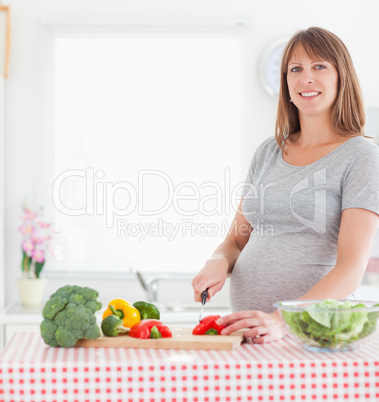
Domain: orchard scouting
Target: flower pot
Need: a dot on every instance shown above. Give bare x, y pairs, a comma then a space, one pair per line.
31, 291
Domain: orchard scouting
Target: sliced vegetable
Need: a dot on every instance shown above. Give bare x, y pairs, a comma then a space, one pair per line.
147, 310
113, 326
208, 326
150, 328
123, 310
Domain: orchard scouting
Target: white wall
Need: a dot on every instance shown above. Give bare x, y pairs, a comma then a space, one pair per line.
355, 22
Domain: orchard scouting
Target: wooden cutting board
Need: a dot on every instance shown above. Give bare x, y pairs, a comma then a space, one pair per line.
182, 338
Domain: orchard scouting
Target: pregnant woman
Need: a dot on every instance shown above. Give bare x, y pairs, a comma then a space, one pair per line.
315, 188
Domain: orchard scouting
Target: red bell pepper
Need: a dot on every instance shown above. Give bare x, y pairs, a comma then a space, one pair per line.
150, 328
208, 326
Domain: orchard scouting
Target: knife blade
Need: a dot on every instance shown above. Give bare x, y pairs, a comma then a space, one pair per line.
204, 296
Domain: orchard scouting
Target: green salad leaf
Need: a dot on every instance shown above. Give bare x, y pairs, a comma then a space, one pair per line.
321, 325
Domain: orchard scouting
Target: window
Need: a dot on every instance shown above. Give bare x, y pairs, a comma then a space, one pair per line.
146, 135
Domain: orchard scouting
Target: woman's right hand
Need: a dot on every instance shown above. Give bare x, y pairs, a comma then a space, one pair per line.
212, 277
215, 271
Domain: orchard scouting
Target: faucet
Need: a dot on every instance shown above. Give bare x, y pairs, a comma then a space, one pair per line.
150, 284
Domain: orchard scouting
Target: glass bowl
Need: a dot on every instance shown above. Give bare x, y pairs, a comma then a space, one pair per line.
329, 325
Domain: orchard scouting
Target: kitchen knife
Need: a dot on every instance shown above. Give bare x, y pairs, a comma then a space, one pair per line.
204, 296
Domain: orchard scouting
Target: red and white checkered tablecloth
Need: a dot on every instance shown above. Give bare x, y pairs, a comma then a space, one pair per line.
279, 371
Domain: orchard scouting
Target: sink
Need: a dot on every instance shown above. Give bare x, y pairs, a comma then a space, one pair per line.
189, 312
191, 307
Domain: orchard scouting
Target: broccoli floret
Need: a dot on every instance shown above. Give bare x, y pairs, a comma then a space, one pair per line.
92, 332
65, 337
112, 326
75, 298
66, 291
88, 293
69, 316
92, 319
48, 328
93, 305
53, 306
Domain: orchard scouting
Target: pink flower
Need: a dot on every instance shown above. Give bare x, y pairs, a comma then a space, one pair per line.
27, 230
38, 239
28, 215
37, 236
38, 256
43, 225
28, 247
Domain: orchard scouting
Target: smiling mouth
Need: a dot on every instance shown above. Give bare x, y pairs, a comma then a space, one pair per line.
309, 94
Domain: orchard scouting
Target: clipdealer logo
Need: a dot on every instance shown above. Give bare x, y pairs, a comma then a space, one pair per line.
153, 194
318, 223
99, 197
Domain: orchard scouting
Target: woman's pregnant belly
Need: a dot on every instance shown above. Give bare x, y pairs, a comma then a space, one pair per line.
268, 271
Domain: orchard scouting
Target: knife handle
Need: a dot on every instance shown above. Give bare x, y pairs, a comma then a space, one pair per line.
204, 296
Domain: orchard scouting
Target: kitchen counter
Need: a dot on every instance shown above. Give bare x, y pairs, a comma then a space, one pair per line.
15, 317
278, 371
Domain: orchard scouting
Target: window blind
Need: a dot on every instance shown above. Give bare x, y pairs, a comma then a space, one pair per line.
147, 149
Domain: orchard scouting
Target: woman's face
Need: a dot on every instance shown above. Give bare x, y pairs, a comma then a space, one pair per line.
312, 84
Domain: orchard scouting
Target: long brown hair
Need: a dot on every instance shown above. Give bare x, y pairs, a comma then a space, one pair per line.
348, 116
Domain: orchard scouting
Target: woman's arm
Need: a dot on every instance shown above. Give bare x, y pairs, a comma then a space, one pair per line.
221, 263
357, 231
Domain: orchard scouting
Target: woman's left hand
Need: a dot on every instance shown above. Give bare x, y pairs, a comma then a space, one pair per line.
260, 327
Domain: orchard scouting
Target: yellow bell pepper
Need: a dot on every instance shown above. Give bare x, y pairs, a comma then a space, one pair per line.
124, 310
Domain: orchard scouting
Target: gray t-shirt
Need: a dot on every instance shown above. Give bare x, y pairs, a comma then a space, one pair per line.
295, 212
